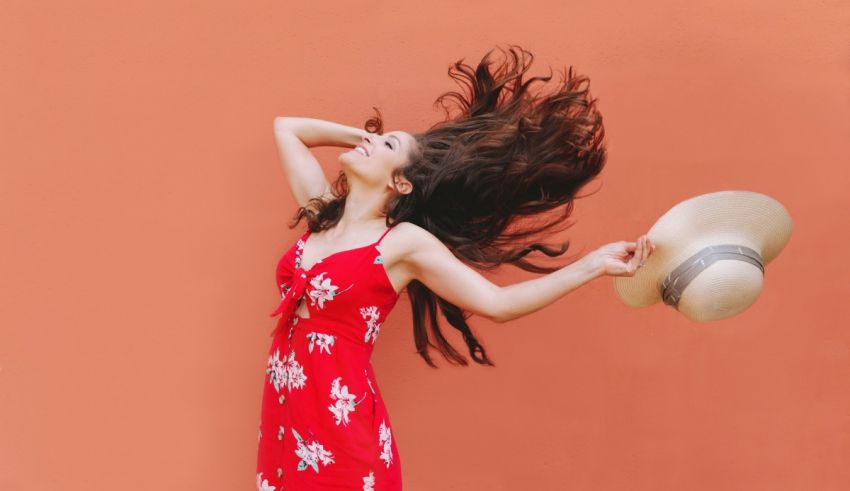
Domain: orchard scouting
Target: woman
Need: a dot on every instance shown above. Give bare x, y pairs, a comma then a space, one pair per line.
449, 195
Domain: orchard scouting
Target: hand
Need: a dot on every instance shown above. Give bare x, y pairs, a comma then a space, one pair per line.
621, 258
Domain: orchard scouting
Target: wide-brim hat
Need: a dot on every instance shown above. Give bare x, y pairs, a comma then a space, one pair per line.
710, 255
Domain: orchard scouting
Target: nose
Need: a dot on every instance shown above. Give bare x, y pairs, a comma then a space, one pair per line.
369, 142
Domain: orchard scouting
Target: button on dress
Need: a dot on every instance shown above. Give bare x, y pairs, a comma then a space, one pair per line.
324, 425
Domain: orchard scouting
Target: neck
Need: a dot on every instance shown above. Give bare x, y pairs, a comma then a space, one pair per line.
362, 207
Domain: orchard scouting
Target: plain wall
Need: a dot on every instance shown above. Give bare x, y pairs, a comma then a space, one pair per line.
144, 209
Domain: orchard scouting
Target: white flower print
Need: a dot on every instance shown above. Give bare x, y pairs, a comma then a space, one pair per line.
276, 370
311, 454
299, 249
322, 290
385, 439
369, 482
287, 285
294, 374
371, 315
263, 484
344, 402
324, 341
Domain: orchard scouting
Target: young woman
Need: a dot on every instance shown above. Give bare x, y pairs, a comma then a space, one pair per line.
415, 212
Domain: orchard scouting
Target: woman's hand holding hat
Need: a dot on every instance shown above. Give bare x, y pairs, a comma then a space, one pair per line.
622, 258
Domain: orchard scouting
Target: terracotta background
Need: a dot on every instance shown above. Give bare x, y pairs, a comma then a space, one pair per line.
144, 209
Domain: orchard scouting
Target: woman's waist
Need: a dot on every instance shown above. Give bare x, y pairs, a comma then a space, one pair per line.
330, 333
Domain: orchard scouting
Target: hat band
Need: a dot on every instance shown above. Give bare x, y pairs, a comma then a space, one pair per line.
678, 279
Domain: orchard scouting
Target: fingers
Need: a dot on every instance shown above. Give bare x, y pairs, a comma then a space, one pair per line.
642, 251
637, 257
647, 246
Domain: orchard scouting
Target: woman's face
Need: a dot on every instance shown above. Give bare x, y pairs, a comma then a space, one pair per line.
377, 156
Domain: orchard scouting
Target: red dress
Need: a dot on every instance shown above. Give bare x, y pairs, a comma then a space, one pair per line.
323, 422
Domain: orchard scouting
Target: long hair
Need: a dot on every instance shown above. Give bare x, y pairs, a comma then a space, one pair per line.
485, 178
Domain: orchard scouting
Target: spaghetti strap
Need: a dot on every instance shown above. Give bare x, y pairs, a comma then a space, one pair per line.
383, 234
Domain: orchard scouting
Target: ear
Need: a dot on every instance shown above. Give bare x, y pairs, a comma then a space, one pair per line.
402, 185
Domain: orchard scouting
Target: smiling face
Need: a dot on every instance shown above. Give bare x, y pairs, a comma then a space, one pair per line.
377, 156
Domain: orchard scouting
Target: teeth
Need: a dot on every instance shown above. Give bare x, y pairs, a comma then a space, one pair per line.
360, 150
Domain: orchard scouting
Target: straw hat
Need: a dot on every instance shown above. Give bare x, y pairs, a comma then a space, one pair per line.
710, 254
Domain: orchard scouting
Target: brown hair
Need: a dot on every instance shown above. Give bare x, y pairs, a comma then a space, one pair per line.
508, 157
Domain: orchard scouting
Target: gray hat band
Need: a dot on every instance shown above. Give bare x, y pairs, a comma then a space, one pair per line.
678, 279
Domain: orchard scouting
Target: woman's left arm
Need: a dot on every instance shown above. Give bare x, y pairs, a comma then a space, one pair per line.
433, 264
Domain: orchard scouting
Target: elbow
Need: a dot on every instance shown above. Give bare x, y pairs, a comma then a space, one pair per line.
499, 311
280, 123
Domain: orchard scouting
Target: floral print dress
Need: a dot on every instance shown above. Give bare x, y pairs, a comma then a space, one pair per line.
323, 422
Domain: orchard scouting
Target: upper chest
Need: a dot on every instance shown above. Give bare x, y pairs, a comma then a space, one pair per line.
360, 270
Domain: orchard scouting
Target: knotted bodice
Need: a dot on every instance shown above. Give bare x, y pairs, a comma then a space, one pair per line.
348, 293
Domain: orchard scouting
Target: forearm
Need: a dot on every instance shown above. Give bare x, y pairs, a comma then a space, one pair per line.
525, 297
318, 132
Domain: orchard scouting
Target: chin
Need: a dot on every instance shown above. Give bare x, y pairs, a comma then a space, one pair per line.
344, 158
348, 165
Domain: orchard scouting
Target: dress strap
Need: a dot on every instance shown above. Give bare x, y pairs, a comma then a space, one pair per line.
384, 234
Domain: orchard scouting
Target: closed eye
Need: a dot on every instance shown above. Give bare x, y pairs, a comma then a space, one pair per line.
388, 144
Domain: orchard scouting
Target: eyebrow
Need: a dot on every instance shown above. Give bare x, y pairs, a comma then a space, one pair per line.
399, 141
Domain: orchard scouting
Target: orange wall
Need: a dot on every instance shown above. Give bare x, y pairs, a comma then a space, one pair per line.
144, 209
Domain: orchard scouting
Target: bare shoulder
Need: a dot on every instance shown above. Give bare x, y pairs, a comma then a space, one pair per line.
406, 235
398, 247
404, 239
398, 242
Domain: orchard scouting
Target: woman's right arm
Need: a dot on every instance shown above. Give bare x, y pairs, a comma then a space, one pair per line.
294, 136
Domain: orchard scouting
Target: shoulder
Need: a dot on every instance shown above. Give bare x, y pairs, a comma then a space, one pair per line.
398, 247
406, 237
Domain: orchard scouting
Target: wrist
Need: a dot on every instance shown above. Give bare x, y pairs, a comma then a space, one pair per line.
592, 267
354, 136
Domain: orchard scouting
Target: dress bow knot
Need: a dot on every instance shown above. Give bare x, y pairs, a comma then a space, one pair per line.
290, 298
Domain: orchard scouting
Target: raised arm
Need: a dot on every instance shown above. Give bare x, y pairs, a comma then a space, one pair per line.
294, 136
432, 263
